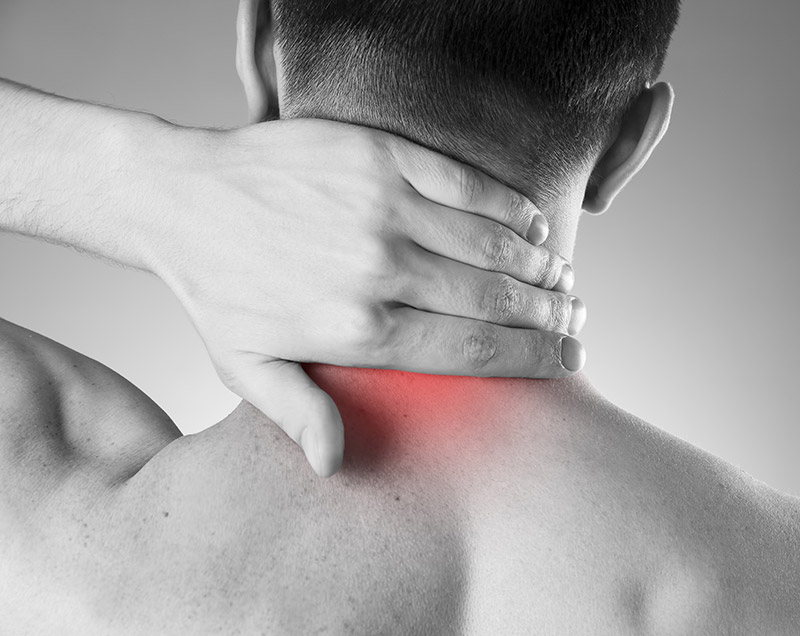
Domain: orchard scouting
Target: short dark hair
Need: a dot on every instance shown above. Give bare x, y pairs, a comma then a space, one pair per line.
535, 87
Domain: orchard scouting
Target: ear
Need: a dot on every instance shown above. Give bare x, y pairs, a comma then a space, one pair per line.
642, 128
255, 62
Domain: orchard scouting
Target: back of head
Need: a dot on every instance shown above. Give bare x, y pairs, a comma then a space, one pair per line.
530, 91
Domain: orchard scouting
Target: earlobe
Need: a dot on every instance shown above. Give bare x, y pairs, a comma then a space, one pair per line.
641, 130
254, 62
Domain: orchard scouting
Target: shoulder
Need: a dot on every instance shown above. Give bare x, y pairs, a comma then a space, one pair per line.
694, 542
70, 428
60, 411
724, 548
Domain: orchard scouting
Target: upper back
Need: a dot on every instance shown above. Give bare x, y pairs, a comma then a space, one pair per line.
465, 506
557, 512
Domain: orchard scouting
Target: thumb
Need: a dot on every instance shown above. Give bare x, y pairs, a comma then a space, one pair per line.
284, 393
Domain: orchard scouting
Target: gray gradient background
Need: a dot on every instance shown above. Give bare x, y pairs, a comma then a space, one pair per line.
690, 279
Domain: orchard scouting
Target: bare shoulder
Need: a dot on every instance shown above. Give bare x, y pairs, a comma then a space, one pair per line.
59, 409
613, 521
231, 532
723, 548
69, 429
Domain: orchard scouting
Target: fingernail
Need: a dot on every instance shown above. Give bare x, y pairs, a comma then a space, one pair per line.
567, 279
537, 234
578, 318
572, 354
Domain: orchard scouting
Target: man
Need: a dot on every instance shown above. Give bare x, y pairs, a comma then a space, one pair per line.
273, 238
465, 505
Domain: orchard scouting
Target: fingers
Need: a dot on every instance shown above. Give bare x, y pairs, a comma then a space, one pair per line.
432, 343
444, 286
284, 393
483, 243
457, 185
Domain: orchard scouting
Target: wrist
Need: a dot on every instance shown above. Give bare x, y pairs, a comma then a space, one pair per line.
151, 174
166, 171
71, 173
138, 148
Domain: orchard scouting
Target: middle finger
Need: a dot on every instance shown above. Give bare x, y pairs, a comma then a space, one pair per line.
444, 286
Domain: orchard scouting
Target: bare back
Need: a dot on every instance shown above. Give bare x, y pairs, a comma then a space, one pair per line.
465, 506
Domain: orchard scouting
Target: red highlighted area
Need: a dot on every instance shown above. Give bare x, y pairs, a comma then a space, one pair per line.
384, 408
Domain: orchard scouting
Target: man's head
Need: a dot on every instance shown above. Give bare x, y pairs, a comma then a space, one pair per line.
534, 92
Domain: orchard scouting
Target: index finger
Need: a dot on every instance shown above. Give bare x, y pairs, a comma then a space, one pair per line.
457, 185
424, 342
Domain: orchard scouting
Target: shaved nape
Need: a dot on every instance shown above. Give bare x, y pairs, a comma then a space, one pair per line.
534, 87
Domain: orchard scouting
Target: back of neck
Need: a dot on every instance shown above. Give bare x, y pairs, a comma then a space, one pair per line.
394, 414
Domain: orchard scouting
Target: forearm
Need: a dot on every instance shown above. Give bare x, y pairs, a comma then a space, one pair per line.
67, 173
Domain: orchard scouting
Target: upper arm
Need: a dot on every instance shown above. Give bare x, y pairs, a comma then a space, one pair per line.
61, 411
29, 405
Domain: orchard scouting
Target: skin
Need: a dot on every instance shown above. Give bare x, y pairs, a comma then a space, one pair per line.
465, 505
514, 503
333, 228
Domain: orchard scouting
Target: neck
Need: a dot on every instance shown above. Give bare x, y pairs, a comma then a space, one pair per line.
391, 416
560, 203
562, 215
562, 210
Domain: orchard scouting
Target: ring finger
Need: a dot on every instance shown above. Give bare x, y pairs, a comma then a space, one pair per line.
444, 286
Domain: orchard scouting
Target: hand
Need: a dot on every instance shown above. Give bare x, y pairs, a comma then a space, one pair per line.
308, 240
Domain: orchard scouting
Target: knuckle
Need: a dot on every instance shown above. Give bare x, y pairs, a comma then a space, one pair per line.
403, 276
545, 264
366, 330
501, 300
385, 331
371, 195
548, 268
497, 248
479, 347
382, 269
546, 311
551, 356
355, 330
560, 313
519, 213
384, 209
383, 215
377, 258
470, 186
545, 352
555, 264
